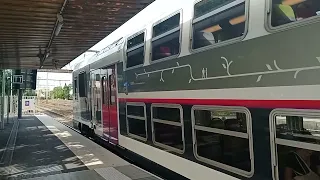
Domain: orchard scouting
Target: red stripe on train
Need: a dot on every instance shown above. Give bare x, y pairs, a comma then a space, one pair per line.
304, 104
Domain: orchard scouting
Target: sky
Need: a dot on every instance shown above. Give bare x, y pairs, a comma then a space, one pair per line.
54, 80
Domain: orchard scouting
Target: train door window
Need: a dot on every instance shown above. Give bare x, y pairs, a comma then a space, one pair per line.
98, 90
137, 120
289, 11
218, 21
295, 143
135, 50
112, 90
82, 84
103, 90
166, 38
167, 127
222, 137
75, 87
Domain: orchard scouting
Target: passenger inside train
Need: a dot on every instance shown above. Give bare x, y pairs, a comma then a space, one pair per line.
287, 11
298, 163
219, 27
168, 45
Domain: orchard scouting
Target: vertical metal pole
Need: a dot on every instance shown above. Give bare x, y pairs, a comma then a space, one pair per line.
9, 99
47, 90
8, 108
19, 103
11, 89
2, 98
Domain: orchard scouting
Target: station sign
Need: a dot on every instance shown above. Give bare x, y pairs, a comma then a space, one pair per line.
24, 79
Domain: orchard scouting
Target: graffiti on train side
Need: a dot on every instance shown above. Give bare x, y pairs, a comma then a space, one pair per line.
274, 69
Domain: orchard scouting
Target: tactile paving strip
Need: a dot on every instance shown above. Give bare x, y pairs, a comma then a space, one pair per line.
111, 173
134, 173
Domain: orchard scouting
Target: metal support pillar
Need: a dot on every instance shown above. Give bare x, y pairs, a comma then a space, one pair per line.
11, 89
47, 89
2, 98
8, 108
19, 103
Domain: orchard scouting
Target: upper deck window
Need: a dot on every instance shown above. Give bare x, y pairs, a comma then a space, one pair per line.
206, 6
288, 11
135, 50
166, 38
218, 21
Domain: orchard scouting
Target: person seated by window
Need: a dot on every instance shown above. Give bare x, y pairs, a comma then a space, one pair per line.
228, 31
165, 51
302, 164
282, 13
305, 10
202, 39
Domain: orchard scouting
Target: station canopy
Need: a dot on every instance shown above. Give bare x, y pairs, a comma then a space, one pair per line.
51, 33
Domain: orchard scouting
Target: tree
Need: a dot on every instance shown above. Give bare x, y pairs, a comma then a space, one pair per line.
61, 92
58, 93
66, 91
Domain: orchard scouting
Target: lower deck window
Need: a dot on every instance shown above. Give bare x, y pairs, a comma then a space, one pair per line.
168, 135
137, 127
222, 138
167, 127
136, 120
296, 147
229, 150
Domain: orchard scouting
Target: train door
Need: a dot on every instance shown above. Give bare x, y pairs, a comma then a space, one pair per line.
96, 102
85, 112
110, 120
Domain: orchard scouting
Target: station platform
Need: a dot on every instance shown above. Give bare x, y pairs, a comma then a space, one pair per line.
39, 147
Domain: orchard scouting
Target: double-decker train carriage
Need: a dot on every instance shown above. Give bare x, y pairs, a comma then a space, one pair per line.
212, 89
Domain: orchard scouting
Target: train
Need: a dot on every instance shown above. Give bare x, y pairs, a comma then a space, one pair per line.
210, 89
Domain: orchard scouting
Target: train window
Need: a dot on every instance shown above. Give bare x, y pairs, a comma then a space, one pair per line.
112, 90
288, 11
167, 127
82, 84
218, 21
135, 50
75, 87
103, 90
296, 144
166, 38
222, 137
137, 120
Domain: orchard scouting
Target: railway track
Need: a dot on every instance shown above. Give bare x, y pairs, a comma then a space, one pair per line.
60, 110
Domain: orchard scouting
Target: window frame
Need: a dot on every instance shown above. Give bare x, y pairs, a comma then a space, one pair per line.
180, 11
133, 48
85, 89
221, 44
103, 90
288, 26
139, 118
285, 142
76, 89
168, 122
224, 132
